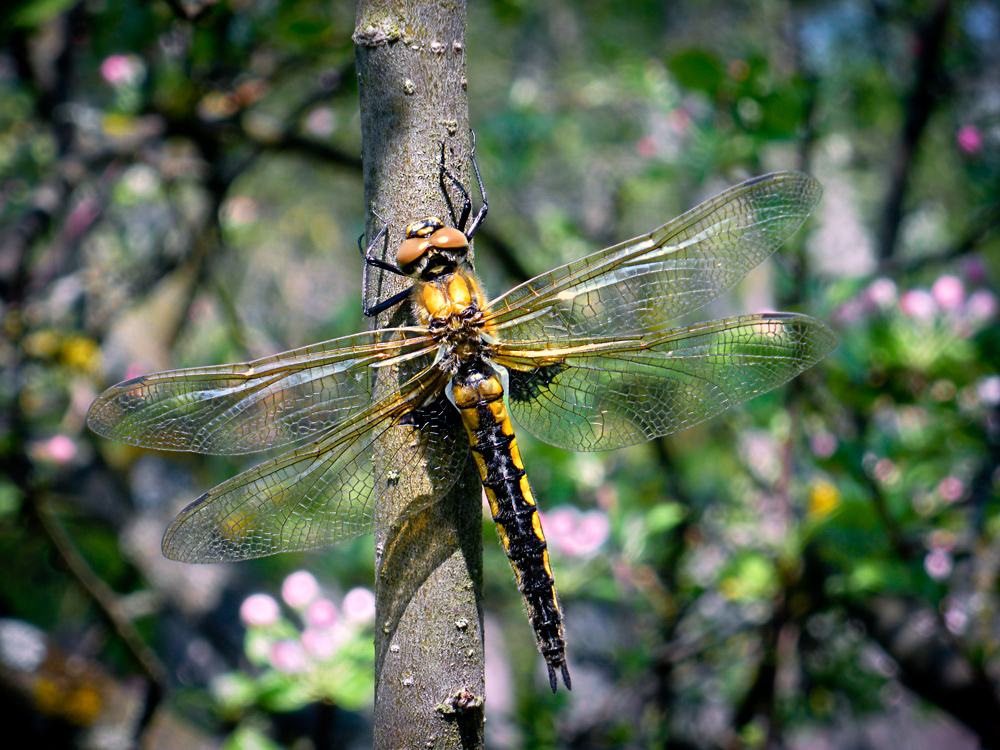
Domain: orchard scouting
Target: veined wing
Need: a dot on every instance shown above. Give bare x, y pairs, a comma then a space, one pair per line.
613, 392
243, 408
331, 489
641, 284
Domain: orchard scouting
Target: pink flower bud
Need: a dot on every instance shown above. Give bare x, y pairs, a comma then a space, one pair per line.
320, 644
299, 589
359, 605
322, 613
259, 610
918, 304
287, 656
949, 293
969, 140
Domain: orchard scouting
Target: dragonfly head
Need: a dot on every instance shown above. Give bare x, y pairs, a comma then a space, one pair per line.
431, 249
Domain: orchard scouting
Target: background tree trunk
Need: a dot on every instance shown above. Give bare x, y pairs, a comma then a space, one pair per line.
428, 637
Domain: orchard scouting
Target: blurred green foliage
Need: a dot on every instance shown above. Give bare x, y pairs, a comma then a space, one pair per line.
179, 192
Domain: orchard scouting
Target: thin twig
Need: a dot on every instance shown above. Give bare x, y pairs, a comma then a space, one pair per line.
924, 95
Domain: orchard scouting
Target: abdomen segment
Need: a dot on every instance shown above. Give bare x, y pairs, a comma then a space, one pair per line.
478, 394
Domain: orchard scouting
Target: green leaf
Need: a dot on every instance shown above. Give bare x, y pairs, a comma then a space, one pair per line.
234, 692
249, 738
697, 69
663, 518
35, 13
281, 693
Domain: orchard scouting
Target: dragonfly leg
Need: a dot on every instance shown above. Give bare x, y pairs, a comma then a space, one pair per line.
478, 220
387, 303
372, 261
466, 198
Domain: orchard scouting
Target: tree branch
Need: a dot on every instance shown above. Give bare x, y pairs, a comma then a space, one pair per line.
923, 97
428, 639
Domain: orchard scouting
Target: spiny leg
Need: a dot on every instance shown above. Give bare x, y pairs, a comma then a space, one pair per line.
371, 260
466, 198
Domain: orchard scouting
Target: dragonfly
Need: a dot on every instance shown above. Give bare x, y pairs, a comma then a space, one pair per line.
586, 357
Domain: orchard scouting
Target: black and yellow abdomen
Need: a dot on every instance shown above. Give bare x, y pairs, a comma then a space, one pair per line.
478, 394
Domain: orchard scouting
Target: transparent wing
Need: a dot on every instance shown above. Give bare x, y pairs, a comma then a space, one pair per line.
329, 490
645, 282
243, 408
615, 392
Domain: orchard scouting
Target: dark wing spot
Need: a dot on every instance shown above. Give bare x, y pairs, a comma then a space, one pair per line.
527, 386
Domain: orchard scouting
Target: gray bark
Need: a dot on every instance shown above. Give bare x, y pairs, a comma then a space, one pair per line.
429, 684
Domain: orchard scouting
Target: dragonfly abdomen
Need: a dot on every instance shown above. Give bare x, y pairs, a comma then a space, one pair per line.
478, 394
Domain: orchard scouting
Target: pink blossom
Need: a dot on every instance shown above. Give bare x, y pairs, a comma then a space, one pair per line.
885, 470
574, 533
942, 539
240, 211
287, 656
969, 140
981, 306
299, 588
259, 610
359, 605
918, 304
949, 293
823, 444
882, 293
974, 270
591, 532
988, 390
59, 449
320, 644
679, 120
135, 369
646, 147
120, 70
560, 522
956, 619
851, 311
938, 564
951, 489
322, 613
320, 121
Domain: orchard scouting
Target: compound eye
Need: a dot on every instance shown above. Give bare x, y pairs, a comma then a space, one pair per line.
410, 250
449, 237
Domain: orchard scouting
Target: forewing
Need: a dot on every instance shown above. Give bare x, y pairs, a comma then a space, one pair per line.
645, 282
243, 408
327, 491
611, 393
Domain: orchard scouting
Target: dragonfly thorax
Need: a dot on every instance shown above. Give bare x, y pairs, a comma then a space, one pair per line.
452, 307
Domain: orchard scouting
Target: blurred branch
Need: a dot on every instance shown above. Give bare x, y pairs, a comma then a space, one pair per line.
930, 661
761, 696
50, 75
191, 10
16, 467
50, 200
213, 141
931, 664
103, 598
505, 254
984, 225
78, 222
924, 95
294, 143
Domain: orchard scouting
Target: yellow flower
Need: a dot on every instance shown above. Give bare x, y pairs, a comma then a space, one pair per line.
81, 353
824, 498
